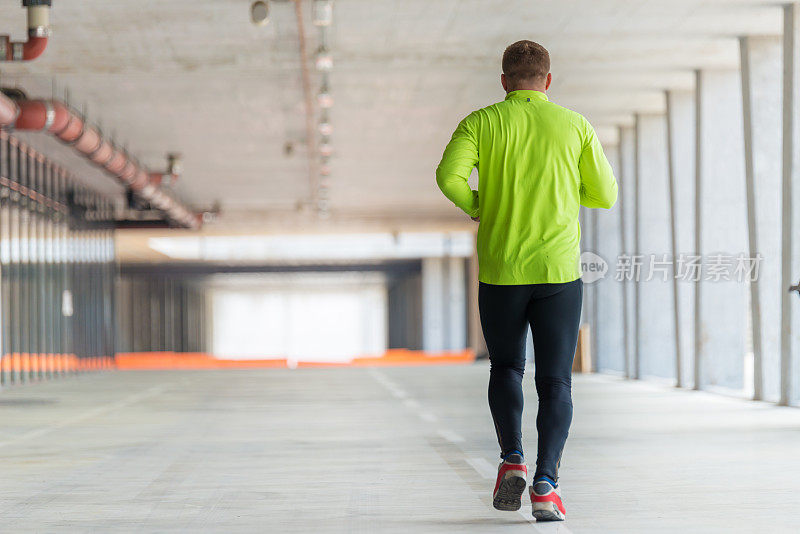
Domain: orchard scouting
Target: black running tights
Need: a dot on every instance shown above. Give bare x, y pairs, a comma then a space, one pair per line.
553, 313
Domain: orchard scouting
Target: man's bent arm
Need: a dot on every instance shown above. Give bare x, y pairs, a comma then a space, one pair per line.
452, 174
598, 185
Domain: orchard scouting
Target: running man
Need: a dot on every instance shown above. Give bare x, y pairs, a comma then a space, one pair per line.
537, 164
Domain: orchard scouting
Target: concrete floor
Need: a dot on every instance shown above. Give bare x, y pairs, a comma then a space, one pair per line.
378, 450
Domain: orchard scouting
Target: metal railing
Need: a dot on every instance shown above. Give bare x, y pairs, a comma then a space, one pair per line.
57, 269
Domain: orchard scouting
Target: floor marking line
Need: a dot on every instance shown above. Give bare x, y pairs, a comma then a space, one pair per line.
451, 436
482, 467
427, 416
412, 404
399, 393
130, 399
393, 388
554, 527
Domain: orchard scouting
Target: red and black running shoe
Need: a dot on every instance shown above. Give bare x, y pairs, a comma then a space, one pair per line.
546, 501
511, 481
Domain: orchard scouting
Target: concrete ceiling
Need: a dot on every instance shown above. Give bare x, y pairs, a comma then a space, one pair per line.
197, 77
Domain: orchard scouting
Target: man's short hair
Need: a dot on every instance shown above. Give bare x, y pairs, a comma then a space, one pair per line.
526, 61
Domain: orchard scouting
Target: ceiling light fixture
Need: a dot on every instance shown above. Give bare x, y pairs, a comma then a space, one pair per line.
322, 17
323, 12
326, 149
324, 99
324, 60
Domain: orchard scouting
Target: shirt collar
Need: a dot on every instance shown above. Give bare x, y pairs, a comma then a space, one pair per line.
526, 94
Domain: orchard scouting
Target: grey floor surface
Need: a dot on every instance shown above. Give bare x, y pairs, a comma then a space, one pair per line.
378, 450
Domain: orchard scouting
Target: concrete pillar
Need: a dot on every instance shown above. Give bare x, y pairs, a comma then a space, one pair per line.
609, 332
588, 222
476, 341
790, 208
681, 131
655, 311
404, 307
583, 222
762, 100
433, 324
444, 313
595, 320
637, 253
721, 230
627, 189
584, 219
456, 305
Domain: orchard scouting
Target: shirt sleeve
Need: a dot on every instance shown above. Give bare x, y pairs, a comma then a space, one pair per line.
452, 174
598, 185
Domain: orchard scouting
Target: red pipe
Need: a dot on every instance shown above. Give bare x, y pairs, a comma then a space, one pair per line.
103, 153
34, 48
8, 111
38, 34
128, 172
116, 164
139, 182
72, 130
88, 142
27, 51
57, 119
41, 115
35, 116
156, 178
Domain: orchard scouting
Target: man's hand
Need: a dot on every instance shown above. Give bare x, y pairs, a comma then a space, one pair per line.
476, 219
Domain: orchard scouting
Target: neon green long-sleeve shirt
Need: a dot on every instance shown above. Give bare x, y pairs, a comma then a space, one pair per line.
537, 164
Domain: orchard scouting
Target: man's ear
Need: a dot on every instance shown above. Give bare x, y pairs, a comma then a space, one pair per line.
504, 82
548, 82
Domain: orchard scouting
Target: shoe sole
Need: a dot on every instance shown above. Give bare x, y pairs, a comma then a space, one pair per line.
509, 495
543, 513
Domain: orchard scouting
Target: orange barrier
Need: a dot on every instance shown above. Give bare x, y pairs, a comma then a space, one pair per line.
193, 360
417, 357
53, 364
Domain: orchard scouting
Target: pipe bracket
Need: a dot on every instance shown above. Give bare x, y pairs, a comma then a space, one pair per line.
17, 51
50, 115
40, 31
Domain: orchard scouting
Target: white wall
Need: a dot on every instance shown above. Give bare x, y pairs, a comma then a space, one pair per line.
681, 110
763, 57
444, 304
627, 197
723, 304
656, 319
331, 318
608, 333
